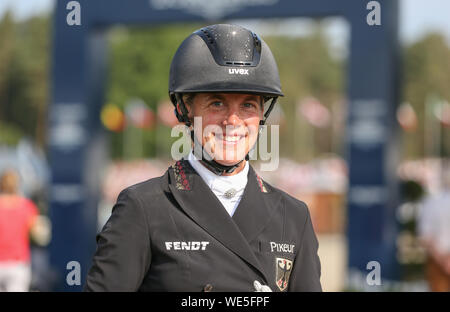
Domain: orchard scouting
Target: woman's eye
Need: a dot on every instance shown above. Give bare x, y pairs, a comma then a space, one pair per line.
216, 104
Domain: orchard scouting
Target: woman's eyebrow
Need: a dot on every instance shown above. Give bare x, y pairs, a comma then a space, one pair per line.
215, 96
251, 97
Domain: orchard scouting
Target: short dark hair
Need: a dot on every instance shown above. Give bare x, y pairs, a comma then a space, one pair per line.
188, 98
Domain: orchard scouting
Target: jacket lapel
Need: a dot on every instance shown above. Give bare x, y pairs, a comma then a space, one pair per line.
203, 207
256, 207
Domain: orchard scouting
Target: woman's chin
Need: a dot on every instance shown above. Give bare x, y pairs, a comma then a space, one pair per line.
229, 159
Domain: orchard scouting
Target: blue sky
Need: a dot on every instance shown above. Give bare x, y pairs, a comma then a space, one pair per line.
417, 17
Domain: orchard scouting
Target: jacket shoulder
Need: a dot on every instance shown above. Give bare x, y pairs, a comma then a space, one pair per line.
149, 188
292, 204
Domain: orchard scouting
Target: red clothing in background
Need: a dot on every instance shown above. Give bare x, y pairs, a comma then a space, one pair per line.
16, 218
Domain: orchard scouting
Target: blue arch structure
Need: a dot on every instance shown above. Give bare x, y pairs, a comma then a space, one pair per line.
77, 142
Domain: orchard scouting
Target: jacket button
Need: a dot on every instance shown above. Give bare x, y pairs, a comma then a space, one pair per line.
208, 288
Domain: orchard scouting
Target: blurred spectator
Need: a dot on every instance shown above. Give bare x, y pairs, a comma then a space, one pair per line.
434, 230
17, 218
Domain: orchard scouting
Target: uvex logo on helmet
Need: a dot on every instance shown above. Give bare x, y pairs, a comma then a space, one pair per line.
237, 71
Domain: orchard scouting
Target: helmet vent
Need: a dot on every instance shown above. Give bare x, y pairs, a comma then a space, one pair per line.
238, 63
231, 45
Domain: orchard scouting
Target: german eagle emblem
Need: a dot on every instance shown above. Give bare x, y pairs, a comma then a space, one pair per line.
283, 271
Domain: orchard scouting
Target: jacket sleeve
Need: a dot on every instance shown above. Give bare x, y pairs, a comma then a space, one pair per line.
123, 253
306, 272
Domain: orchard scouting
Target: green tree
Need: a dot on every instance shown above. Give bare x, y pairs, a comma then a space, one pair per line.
426, 72
306, 69
139, 68
24, 79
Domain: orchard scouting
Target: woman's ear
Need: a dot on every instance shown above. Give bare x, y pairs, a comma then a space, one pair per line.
188, 108
263, 102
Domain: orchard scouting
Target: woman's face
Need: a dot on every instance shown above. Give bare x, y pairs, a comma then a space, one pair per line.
229, 124
9, 182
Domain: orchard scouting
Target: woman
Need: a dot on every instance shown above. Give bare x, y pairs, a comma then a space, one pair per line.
211, 223
18, 216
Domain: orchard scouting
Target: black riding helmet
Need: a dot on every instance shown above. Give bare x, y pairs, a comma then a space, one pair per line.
223, 58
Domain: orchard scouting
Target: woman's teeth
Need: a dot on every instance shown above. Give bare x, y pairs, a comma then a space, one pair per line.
230, 138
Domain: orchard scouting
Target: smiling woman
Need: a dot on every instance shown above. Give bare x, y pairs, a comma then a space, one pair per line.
211, 223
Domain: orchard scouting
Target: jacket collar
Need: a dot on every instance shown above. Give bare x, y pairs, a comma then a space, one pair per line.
220, 183
253, 214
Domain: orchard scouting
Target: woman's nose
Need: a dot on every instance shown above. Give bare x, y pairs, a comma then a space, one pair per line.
233, 118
